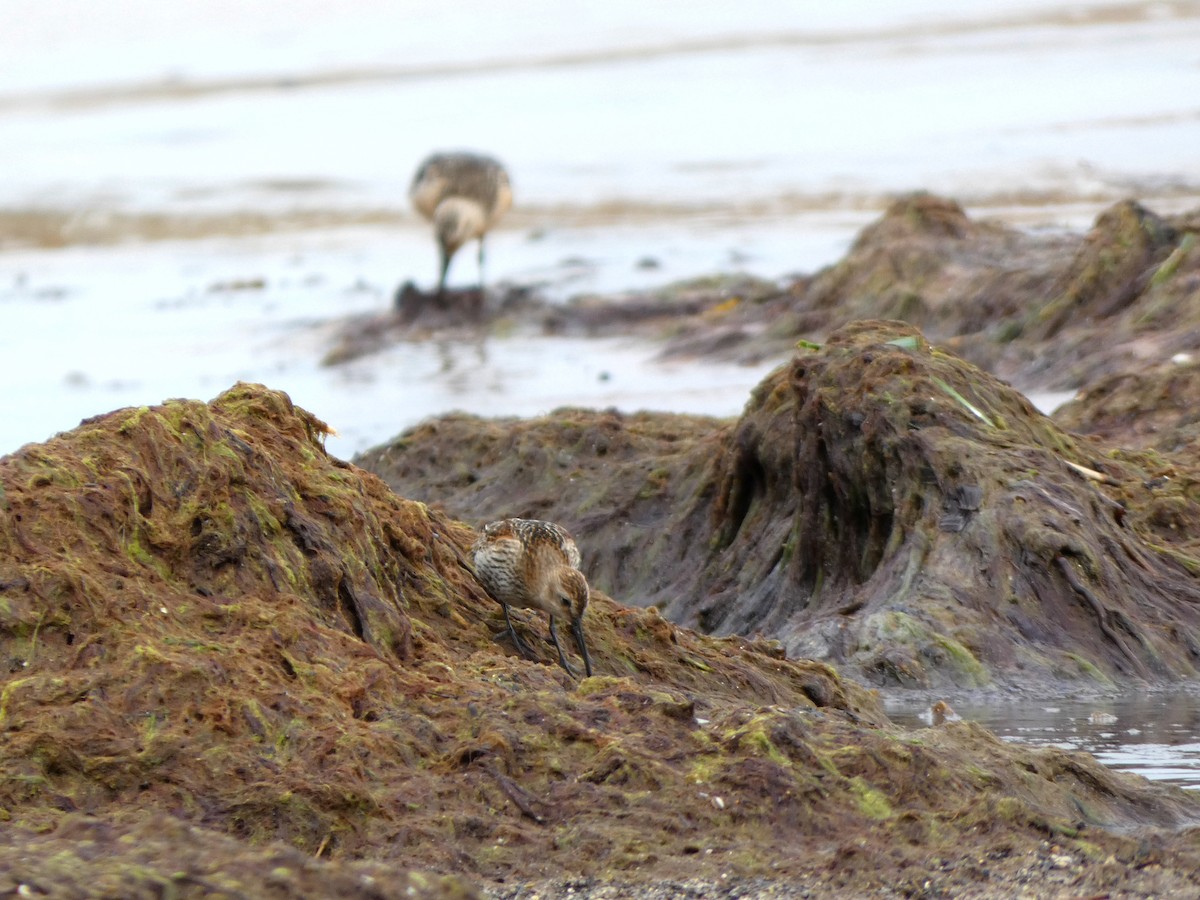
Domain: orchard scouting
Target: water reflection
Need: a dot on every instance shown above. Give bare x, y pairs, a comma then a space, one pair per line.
1156, 735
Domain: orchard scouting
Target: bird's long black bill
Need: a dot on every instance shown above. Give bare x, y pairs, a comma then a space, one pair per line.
577, 630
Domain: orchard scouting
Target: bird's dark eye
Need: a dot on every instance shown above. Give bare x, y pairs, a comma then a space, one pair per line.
566, 602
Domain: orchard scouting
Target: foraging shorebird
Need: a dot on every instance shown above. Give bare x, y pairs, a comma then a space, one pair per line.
535, 565
464, 195
941, 712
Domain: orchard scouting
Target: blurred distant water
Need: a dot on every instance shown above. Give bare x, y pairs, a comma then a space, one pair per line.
647, 143
759, 108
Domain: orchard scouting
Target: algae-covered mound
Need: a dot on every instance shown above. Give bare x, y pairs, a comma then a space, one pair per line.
1155, 407
928, 263
239, 667
880, 504
1045, 310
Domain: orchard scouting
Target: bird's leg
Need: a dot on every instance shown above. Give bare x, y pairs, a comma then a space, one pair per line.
441, 288
562, 660
512, 633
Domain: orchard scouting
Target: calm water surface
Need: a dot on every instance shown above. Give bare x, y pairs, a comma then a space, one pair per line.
1152, 734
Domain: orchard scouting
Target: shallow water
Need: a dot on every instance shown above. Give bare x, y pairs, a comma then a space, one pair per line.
647, 143
102, 328
1156, 735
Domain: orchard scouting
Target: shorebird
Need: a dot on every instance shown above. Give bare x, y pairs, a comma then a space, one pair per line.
941, 712
533, 564
464, 195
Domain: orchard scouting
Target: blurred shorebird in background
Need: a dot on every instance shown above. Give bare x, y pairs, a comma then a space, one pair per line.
535, 565
464, 195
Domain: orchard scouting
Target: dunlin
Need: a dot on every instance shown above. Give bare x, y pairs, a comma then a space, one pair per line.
464, 195
535, 565
942, 712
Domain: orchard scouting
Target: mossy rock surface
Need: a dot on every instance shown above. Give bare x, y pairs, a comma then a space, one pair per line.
1152, 408
238, 667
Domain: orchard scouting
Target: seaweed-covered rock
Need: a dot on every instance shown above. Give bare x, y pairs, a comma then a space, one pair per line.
1155, 407
1045, 310
926, 262
1117, 262
1048, 311
885, 504
880, 504
238, 666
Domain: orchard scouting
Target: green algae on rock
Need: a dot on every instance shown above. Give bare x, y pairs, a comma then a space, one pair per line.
221, 640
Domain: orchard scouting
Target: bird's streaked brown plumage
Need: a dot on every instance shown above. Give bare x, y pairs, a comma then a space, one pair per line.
464, 195
535, 565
